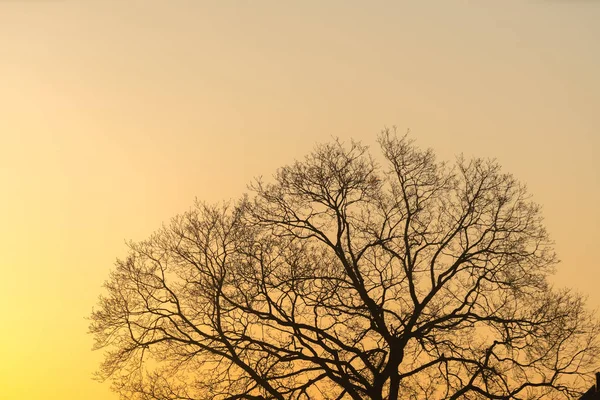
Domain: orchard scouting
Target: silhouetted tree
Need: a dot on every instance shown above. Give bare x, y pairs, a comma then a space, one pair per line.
344, 279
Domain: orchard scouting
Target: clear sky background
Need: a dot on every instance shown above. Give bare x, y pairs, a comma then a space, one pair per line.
114, 115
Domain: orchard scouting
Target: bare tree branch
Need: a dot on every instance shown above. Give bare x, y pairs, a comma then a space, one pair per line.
346, 279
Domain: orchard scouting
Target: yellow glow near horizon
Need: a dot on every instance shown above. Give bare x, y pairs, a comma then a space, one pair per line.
115, 115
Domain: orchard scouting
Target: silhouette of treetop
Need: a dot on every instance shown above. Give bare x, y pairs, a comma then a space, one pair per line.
345, 278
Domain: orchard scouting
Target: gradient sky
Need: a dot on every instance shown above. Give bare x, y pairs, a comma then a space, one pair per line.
114, 115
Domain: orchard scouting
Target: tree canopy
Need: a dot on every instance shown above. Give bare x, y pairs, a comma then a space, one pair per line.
350, 277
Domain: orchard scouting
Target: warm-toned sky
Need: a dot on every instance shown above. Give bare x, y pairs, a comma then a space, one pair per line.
114, 115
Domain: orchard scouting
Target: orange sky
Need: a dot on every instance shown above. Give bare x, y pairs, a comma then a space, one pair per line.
114, 115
